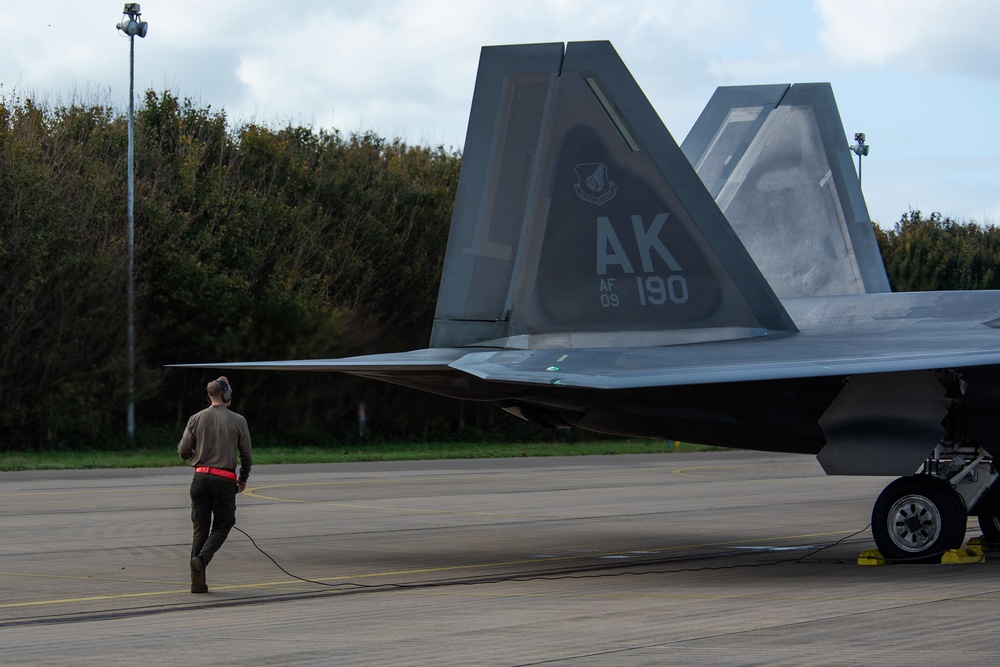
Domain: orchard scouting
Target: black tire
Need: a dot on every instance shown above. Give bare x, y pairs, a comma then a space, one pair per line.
916, 519
990, 525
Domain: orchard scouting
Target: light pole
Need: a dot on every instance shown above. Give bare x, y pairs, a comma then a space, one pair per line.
131, 26
861, 148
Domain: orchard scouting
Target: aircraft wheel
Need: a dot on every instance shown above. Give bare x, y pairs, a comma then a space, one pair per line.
990, 525
918, 518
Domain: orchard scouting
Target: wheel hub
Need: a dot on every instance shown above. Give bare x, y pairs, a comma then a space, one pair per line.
914, 522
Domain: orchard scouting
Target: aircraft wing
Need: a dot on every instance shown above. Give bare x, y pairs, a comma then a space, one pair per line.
594, 278
437, 359
724, 362
628, 368
841, 336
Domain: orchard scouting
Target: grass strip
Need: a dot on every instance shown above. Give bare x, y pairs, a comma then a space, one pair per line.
349, 453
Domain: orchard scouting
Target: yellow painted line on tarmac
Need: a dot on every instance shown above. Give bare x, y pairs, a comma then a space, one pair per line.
94, 598
87, 492
442, 592
351, 578
83, 577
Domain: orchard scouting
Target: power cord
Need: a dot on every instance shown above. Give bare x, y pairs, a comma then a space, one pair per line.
556, 577
295, 576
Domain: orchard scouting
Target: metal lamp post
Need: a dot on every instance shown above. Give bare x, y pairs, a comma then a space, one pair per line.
861, 149
131, 26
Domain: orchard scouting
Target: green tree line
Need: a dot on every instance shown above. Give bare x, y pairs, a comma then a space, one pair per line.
250, 243
938, 253
253, 243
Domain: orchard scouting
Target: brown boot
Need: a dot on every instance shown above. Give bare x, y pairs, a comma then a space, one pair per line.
198, 584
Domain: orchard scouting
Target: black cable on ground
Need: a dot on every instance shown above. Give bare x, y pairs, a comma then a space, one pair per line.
554, 577
294, 576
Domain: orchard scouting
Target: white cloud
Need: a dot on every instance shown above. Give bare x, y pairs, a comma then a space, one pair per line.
929, 35
402, 65
908, 73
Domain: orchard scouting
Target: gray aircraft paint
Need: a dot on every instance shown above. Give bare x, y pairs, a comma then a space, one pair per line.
571, 221
776, 160
570, 181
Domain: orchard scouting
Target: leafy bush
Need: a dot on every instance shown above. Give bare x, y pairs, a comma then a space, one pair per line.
938, 253
251, 243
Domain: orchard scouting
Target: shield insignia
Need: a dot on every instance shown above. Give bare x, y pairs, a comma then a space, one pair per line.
593, 184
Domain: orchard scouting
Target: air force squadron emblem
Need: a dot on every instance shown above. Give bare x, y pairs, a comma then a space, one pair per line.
593, 184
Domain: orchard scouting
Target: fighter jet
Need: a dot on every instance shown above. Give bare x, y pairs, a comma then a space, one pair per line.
730, 293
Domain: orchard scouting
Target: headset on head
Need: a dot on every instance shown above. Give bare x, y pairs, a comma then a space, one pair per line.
227, 391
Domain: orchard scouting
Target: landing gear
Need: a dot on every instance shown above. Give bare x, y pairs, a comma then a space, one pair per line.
990, 525
918, 518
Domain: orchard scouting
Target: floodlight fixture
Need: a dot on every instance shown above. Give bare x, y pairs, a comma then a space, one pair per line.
860, 149
130, 23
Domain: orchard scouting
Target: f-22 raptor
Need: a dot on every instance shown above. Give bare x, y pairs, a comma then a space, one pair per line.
729, 292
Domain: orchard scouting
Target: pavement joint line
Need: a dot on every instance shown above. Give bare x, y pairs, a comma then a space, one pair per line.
684, 471
445, 478
409, 510
439, 478
437, 589
183, 482
251, 491
682, 596
417, 587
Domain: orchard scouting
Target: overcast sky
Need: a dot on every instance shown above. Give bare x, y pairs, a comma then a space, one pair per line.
920, 77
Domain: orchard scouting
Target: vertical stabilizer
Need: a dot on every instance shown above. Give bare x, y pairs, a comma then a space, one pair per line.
580, 223
776, 160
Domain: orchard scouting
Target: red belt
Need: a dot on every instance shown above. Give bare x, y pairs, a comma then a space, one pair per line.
228, 474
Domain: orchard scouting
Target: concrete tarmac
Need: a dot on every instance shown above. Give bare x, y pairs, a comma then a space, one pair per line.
679, 559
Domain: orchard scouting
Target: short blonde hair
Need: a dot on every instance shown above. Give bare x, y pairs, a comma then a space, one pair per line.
220, 389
